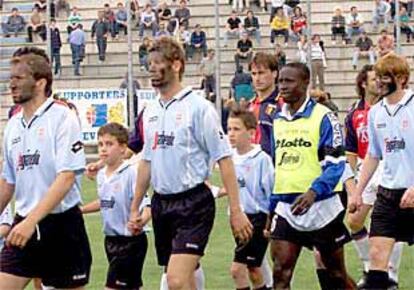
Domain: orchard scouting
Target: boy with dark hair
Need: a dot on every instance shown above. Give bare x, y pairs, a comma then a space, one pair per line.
255, 176
116, 185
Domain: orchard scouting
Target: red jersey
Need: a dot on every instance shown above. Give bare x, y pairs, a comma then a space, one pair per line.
356, 128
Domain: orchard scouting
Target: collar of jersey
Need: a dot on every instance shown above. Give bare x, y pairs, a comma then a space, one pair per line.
304, 111
240, 158
405, 100
178, 97
40, 111
119, 170
273, 97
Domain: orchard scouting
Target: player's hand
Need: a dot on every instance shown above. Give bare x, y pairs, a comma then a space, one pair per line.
354, 202
241, 226
267, 230
303, 202
407, 201
135, 223
21, 234
92, 169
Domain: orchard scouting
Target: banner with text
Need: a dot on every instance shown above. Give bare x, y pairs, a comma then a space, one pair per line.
96, 108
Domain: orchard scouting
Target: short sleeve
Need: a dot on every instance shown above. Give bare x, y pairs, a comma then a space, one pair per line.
210, 133
351, 140
70, 155
374, 148
9, 173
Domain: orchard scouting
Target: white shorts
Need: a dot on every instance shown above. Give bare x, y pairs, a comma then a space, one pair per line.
370, 193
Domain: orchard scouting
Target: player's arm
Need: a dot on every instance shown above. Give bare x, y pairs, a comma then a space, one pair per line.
7, 191
332, 160
4, 230
141, 187
93, 206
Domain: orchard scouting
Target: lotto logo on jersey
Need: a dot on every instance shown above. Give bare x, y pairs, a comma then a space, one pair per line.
163, 140
27, 161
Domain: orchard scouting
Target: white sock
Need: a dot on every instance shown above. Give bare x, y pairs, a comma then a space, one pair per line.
267, 273
362, 246
395, 260
199, 278
163, 283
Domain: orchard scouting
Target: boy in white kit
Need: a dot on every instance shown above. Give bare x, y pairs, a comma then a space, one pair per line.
116, 184
255, 176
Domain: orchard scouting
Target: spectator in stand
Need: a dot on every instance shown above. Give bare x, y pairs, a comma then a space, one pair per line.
208, 72
121, 19
240, 5
165, 16
135, 86
148, 21
56, 44
15, 23
298, 23
244, 49
135, 10
279, 26
233, 27
37, 25
62, 5
109, 16
275, 4
184, 38
143, 52
280, 56
364, 47
77, 41
318, 61
354, 23
100, 29
41, 5
74, 20
338, 25
385, 43
405, 26
302, 49
183, 14
252, 26
408, 5
241, 85
162, 31
198, 42
381, 13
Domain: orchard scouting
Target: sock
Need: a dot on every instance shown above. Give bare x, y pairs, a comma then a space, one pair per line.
377, 280
199, 278
323, 278
395, 260
267, 273
163, 283
264, 287
362, 246
246, 288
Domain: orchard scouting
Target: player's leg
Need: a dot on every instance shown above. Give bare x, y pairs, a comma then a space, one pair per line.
284, 255
180, 271
359, 233
256, 278
13, 282
379, 255
240, 276
267, 272
335, 265
395, 260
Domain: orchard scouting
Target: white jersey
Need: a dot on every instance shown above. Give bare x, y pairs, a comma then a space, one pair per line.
116, 193
35, 152
6, 218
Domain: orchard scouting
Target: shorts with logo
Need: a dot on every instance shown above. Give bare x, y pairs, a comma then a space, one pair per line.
182, 222
253, 252
126, 257
389, 220
327, 239
58, 252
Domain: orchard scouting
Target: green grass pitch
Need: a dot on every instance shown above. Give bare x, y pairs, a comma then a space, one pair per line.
219, 255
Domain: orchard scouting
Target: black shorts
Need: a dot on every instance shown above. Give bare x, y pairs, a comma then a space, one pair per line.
126, 257
253, 252
182, 222
389, 220
58, 252
327, 239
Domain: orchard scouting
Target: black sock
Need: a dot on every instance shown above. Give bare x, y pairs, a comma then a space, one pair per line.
264, 287
247, 288
324, 280
377, 280
360, 234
